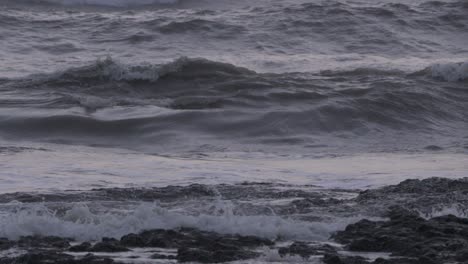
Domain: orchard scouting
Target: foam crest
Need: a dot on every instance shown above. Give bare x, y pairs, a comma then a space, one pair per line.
121, 72
451, 72
182, 67
456, 209
81, 223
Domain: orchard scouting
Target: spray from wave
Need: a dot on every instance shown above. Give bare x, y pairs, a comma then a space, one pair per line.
80, 222
451, 72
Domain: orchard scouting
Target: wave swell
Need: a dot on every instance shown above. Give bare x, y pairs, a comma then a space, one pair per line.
109, 102
110, 3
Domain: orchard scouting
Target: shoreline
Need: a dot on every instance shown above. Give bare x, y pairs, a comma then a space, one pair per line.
413, 231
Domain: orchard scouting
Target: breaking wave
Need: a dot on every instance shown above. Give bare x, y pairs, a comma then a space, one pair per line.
81, 223
193, 68
108, 102
109, 69
451, 72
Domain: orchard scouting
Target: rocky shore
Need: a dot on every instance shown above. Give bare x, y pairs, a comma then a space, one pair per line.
404, 232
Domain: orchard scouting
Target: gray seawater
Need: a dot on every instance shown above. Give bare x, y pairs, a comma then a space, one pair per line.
321, 97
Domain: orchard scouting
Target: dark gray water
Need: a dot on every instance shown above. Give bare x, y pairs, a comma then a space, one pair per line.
178, 76
319, 99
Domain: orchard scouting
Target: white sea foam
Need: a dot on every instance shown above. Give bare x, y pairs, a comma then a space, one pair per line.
82, 224
451, 72
458, 210
121, 72
117, 71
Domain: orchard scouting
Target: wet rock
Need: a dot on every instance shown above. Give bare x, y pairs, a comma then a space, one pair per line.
83, 247
92, 259
337, 259
305, 250
187, 237
161, 256
196, 245
6, 244
427, 186
425, 196
316, 202
133, 240
164, 193
341, 259
108, 246
48, 257
406, 234
204, 255
462, 255
45, 257
44, 242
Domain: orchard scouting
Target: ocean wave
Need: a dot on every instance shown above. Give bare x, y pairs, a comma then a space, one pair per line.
449, 72
109, 103
452, 72
110, 3
184, 68
366, 71
81, 223
201, 26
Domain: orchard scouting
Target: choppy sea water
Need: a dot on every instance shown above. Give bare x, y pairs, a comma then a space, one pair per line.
322, 97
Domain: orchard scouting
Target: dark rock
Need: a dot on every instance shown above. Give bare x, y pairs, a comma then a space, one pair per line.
132, 240
196, 245
216, 256
48, 257
92, 259
462, 255
169, 192
192, 245
302, 204
109, 240
199, 255
430, 185
108, 247
6, 244
406, 234
188, 237
45, 257
161, 256
425, 196
305, 250
44, 242
400, 261
336, 259
83, 247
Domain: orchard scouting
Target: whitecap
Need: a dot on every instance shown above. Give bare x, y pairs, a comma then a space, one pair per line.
451, 72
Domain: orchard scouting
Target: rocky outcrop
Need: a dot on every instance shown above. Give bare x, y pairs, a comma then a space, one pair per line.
191, 244
406, 234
